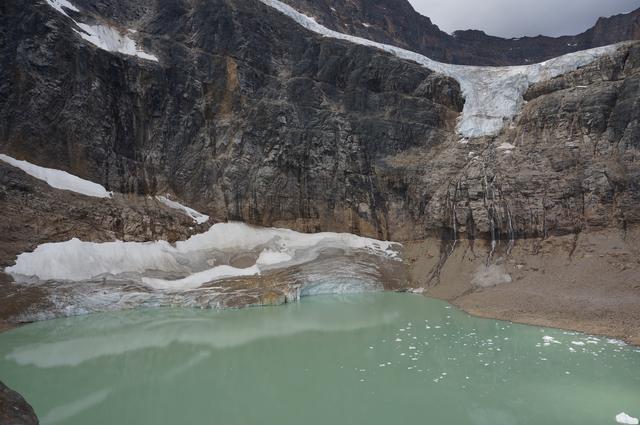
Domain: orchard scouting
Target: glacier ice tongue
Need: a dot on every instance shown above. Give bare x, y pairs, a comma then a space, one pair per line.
493, 95
75, 260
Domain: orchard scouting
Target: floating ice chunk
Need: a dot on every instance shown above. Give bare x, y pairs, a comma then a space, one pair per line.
198, 279
111, 40
579, 343
623, 418
59, 179
195, 215
549, 339
493, 95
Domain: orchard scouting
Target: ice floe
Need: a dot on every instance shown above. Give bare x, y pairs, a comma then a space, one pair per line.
59, 179
493, 95
623, 418
195, 215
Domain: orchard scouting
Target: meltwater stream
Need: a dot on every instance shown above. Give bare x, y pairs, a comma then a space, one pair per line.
380, 358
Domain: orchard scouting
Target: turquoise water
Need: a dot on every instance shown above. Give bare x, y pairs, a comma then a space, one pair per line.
359, 359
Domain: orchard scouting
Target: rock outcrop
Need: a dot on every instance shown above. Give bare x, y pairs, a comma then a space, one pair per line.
14, 410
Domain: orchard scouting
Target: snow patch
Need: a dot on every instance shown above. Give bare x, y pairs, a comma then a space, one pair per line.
623, 418
59, 179
111, 40
493, 95
60, 5
195, 215
102, 36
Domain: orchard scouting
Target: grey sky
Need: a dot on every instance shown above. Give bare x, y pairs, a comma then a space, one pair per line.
514, 18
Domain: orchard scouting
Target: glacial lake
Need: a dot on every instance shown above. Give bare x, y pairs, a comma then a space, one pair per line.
377, 358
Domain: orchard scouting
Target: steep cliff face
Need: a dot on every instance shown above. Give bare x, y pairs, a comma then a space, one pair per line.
395, 22
248, 116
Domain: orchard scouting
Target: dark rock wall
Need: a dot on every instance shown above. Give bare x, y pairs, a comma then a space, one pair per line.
249, 117
14, 410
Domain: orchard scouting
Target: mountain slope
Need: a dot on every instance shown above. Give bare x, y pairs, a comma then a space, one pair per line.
243, 114
396, 22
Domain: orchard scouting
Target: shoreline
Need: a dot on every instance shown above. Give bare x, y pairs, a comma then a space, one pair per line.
588, 283
583, 328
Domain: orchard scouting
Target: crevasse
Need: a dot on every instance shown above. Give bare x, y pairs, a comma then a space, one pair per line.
493, 95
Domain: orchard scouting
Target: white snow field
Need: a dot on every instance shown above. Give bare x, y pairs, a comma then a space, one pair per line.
493, 95
59, 179
196, 258
195, 215
102, 36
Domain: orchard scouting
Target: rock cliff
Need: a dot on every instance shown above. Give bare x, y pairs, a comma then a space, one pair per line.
249, 117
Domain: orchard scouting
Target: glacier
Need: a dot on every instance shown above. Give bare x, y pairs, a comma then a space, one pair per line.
493, 95
59, 179
75, 260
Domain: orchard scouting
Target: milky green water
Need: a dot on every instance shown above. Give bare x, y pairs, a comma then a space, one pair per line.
359, 359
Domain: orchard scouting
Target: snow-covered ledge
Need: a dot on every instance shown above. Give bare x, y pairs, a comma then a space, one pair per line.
103, 36
199, 218
59, 179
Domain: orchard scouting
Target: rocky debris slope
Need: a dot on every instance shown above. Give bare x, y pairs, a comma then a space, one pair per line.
588, 282
14, 410
395, 22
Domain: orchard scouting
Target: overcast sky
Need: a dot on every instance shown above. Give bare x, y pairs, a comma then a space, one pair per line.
514, 18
